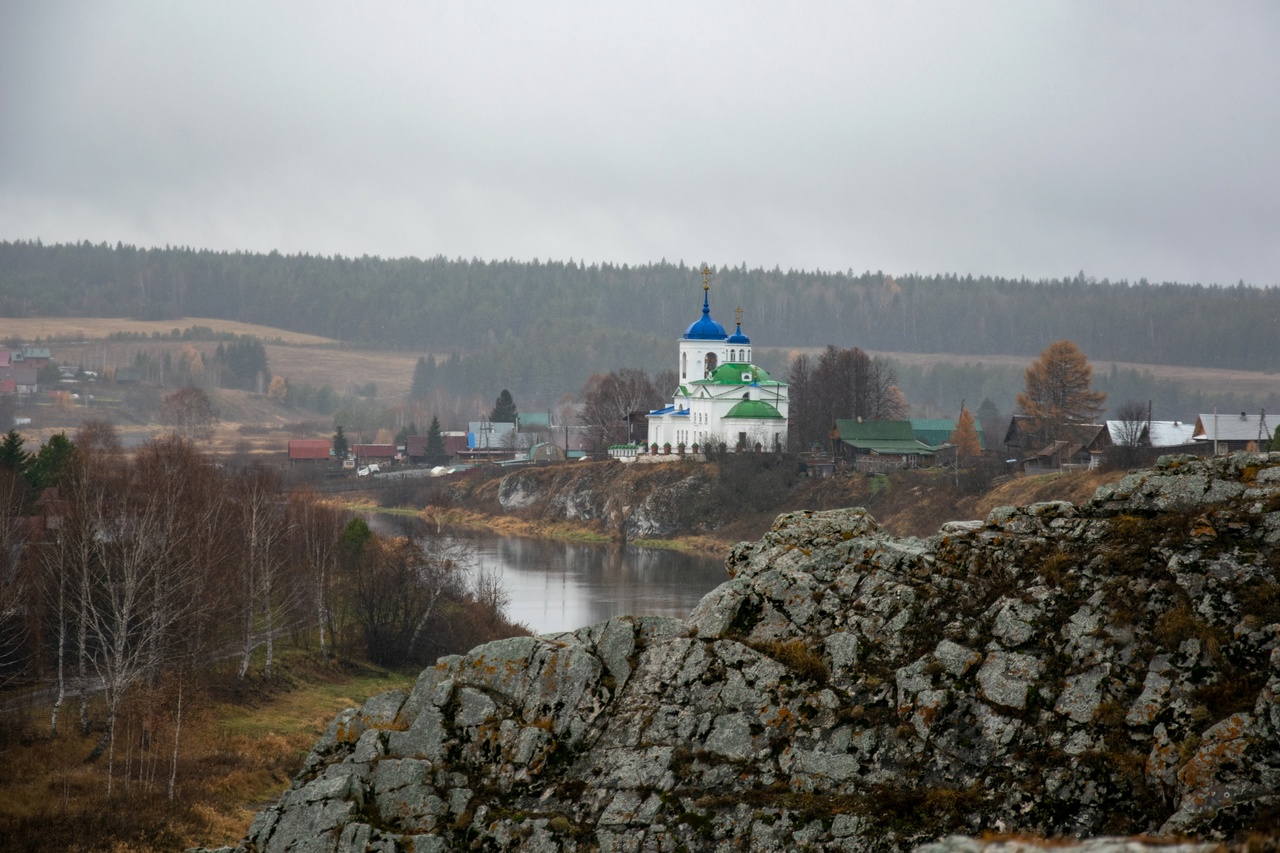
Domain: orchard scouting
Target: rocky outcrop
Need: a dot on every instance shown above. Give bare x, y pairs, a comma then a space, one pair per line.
1053, 670
653, 501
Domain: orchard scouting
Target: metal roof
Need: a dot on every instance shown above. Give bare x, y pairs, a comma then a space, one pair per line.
1232, 426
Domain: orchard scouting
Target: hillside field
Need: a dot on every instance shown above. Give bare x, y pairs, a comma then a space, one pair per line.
313, 359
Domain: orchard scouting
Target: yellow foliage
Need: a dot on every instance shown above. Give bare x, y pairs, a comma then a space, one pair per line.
965, 435
278, 389
1058, 390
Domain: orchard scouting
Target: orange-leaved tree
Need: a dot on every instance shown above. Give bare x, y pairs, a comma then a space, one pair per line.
965, 435
1058, 392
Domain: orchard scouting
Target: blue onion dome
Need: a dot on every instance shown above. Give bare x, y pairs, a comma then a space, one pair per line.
705, 329
738, 338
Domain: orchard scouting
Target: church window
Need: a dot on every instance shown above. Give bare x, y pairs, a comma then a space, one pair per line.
709, 364
684, 365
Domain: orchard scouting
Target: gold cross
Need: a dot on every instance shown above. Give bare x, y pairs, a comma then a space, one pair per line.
739, 312
706, 277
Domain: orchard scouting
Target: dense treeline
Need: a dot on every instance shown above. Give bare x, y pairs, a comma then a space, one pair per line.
441, 305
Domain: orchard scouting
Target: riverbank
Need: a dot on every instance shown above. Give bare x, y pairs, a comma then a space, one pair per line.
708, 509
560, 531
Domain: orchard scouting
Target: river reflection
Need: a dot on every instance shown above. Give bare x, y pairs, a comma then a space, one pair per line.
560, 586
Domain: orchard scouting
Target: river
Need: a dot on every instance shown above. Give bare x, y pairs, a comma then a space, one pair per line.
560, 586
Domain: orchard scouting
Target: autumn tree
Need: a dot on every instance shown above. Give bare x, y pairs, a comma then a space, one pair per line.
965, 436
140, 548
840, 383
609, 399
278, 389
16, 580
314, 529
398, 585
190, 412
1058, 392
1132, 432
265, 593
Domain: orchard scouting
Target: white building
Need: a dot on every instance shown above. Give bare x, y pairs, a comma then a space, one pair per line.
722, 396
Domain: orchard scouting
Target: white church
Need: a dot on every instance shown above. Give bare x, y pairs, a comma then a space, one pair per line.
722, 396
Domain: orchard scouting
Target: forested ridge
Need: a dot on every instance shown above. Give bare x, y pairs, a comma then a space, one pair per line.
443, 305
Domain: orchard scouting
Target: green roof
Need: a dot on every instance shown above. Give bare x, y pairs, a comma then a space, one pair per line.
886, 437
937, 431
733, 373
754, 409
535, 420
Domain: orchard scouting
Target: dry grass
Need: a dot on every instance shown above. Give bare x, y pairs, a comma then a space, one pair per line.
1076, 487
99, 328
237, 755
1207, 379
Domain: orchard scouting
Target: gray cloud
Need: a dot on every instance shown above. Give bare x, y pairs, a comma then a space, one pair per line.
1126, 139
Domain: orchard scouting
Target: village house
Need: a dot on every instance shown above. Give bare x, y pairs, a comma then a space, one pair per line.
309, 451
881, 445
1228, 432
937, 431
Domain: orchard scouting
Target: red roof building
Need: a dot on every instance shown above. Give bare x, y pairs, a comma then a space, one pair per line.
308, 450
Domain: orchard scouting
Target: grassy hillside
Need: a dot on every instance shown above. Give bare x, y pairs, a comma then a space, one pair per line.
240, 745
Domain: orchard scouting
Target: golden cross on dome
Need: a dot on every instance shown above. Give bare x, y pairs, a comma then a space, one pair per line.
739, 313
706, 277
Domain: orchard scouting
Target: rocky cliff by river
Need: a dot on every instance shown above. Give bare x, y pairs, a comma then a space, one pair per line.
1053, 670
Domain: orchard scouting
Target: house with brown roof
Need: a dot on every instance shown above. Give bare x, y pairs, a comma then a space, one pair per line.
309, 451
1081, 447
375, 452
25, 379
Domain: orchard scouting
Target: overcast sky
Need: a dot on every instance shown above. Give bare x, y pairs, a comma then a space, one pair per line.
1127, 140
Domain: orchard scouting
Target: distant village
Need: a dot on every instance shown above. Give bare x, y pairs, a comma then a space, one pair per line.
723, 403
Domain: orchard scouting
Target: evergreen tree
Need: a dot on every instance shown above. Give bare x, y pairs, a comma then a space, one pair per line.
504, 409
424, 378
48, 467
402, 437
340, 446
1275, 441
12, 456
435, 452
992, 420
